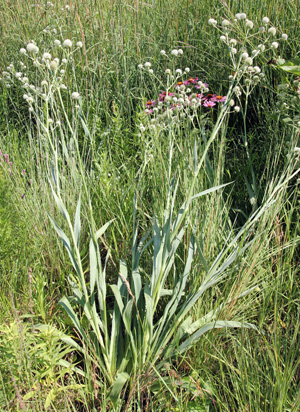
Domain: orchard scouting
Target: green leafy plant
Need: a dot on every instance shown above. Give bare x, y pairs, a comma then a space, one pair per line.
147, 323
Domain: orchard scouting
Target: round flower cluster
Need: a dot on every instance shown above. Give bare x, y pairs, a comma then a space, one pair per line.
241, 56
181, 100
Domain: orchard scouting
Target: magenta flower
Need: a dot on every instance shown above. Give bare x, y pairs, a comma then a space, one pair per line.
209, 103
219, 99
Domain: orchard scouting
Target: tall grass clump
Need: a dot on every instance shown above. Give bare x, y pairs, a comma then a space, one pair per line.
176, 134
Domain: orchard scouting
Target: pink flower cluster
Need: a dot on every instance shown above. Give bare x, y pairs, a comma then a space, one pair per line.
205, 100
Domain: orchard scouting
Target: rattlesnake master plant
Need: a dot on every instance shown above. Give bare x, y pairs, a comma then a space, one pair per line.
147, 324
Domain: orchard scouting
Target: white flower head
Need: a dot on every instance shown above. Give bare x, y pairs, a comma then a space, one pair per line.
151, 71
233, 50
284, 36
79, 44
32, 48
18, 75
187, 69
44, 83
212, 22
174, 52
54, 65
243, 16
261, 47
249, 61
47, 56
249, 24
147, 65
178, 71
180, 51
225, 23
257, 69
232, 42
67, 43
237, 109
163, 52
231, 103
265, 20
168, 71
244, 55
22, 50
272, 30
274, 45
75, 95
64, 61
238, 16
222, 38
140, 66
57, 42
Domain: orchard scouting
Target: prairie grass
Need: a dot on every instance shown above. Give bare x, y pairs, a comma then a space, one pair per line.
101, 147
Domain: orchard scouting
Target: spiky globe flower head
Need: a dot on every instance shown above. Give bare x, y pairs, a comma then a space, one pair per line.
75, 96
187, 69
168, 71
212, 22
180, 51
174, 52
79, 44
47, 56
272, 30
57, 43
163, 52
284, 36
222, 38
265, 20
22, 50
237, 109
249, 24
32, 48
147, 65
54, 65
67, 43
232, 42
244, 55
274, 45
249, 61
225, 23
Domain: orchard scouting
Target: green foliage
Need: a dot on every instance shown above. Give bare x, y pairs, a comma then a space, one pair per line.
98, 149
